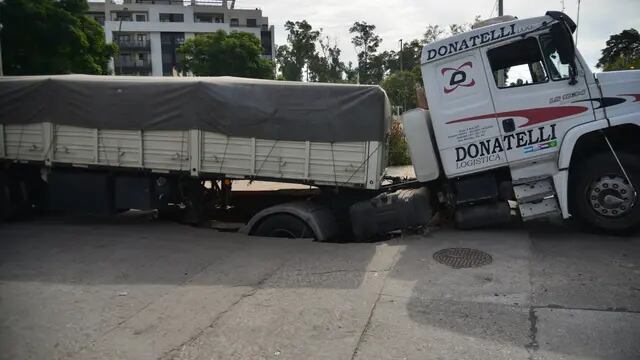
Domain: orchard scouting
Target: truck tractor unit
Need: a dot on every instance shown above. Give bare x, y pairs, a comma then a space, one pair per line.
517, 124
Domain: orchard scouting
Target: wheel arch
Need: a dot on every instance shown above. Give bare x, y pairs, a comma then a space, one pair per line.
623, 138
318, 217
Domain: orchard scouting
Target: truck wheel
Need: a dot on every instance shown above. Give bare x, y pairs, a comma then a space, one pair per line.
603, 198
283, 226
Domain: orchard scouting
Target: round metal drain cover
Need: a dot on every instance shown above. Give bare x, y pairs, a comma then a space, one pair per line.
459, 258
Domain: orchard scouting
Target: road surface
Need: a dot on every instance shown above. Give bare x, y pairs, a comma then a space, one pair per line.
134, 288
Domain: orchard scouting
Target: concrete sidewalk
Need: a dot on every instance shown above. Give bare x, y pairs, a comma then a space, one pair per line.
139, 289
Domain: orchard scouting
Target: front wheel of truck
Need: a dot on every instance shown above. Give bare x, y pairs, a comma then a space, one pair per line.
604, 196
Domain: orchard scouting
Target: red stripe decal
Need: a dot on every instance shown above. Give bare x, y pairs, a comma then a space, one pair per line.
444, 70
636, 96
533, 116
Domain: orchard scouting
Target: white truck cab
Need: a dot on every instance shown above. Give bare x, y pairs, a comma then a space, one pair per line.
516, 114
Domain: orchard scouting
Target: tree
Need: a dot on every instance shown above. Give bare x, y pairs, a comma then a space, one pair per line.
432, 34
401, 88
289, 70
367, 41
42, 37
326, 65
351, 73
622, 51
234, 54
299, 52
435, 32
410, 56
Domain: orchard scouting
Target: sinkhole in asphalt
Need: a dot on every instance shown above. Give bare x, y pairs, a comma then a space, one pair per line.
459, 258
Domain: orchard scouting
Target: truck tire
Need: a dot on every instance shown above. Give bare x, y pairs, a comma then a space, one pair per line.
603, 198
283, 226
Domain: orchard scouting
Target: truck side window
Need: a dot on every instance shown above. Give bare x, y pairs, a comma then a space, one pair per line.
517, 64
557, 70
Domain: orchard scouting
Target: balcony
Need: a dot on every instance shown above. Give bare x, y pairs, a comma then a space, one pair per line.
132, 67
140, 45
235, 24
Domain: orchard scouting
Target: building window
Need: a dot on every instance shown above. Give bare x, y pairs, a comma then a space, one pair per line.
208, 18
124, 38
99, 18
234, 22
121, 15
517, 64
252, 23
171, 59
125, 58
203, 18
265, 40
171, 17
142, 38
141, 17
141, 59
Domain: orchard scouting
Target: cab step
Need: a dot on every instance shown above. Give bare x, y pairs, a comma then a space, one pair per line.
537, 199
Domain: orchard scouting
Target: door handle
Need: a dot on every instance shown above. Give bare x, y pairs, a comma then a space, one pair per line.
508, 125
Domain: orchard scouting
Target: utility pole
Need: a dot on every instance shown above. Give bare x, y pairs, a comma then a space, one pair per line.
500, 8
401, 65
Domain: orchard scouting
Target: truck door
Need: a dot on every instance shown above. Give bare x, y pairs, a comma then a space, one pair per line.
458, 92
534, 102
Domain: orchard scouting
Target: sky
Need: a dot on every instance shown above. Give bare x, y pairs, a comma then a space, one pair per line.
408, 19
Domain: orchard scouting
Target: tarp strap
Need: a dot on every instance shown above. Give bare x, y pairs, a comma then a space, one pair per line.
362, 163
267, 157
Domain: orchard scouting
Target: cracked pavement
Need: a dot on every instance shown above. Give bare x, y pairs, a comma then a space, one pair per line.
139, 289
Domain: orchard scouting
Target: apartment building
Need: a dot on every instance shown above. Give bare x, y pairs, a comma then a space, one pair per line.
149, 32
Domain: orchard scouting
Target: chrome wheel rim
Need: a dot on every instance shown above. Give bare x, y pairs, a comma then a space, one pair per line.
612, 196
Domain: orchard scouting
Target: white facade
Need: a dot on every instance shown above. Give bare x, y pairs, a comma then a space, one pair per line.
148, 31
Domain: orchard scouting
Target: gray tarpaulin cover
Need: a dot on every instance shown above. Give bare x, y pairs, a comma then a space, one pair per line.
264, 109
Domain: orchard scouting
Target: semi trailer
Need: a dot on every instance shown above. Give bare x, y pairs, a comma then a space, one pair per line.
516, 123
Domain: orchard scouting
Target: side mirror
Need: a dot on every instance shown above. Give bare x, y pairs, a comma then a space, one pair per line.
563, 41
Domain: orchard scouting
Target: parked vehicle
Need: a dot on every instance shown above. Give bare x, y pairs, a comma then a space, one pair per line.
515, 114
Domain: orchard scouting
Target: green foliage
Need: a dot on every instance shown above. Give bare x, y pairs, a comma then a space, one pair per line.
326, 66
289, 70
300, 50
401, 88
410, 56
42, 37
370, 65
398, 147
300, 54
432, 34
622, 52
351, 73
219, 54
623, 63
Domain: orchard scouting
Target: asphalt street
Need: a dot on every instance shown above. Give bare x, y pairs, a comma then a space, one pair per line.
135, 288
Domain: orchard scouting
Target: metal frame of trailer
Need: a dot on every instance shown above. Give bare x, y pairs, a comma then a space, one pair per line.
199, 153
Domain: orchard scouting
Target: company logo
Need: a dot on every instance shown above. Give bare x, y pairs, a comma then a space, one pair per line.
457, 77
473, 41
489, 150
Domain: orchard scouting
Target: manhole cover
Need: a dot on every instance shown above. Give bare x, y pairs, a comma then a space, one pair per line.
459, 258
